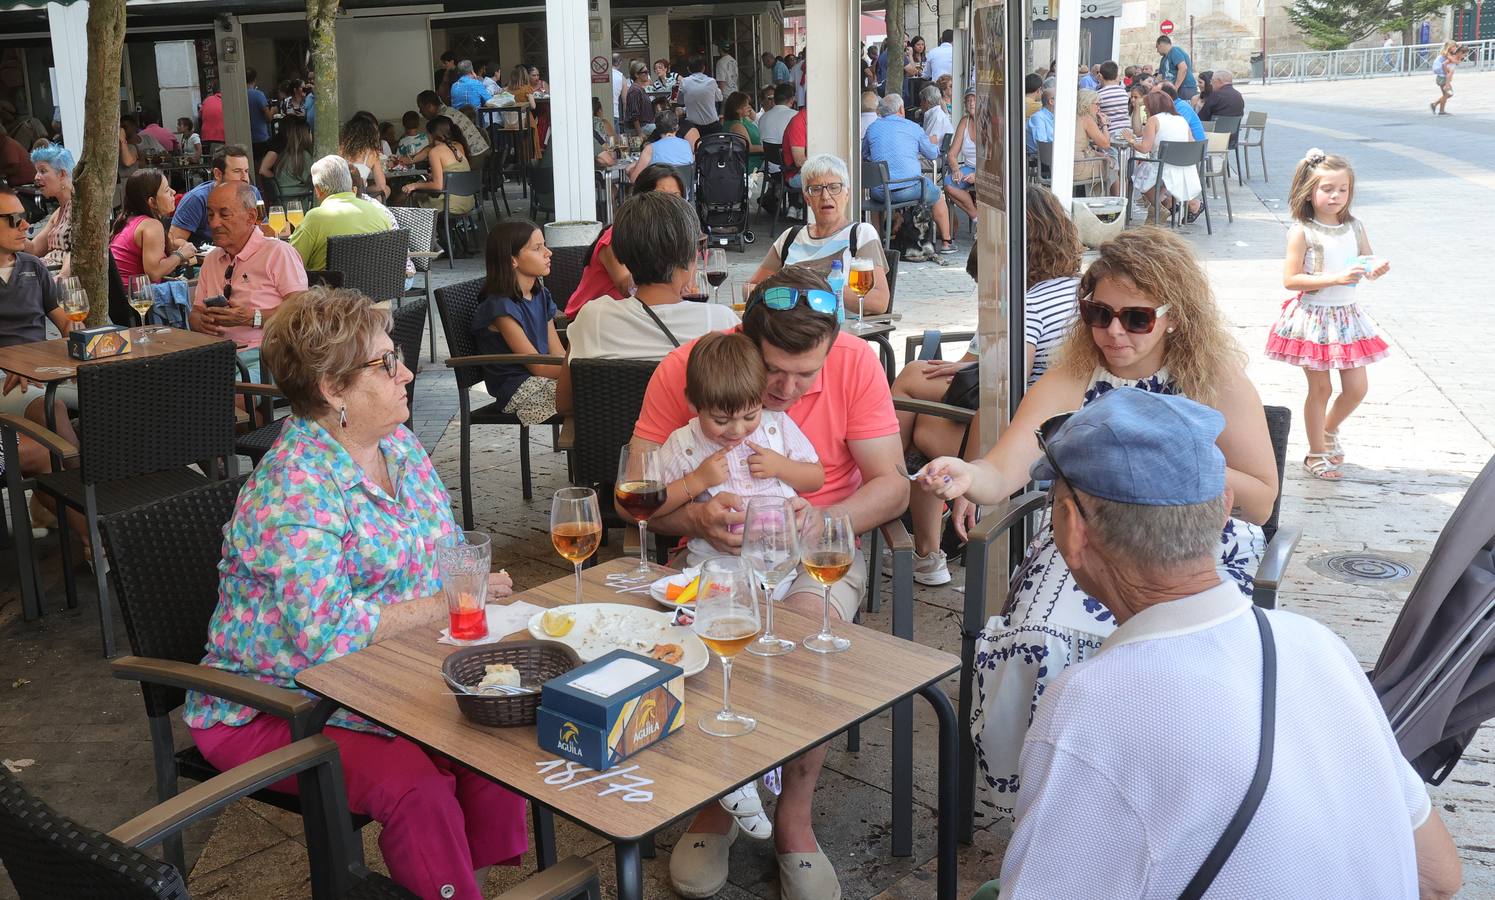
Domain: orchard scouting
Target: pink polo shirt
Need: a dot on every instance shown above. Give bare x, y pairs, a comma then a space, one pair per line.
849, 401
266, 272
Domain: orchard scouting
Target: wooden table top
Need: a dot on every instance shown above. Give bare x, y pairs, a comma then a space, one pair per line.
47, 361
800, 700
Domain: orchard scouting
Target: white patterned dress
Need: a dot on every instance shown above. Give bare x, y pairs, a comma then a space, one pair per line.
1049, 623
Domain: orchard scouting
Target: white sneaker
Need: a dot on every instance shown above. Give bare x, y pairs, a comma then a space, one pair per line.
930, 570
746, 807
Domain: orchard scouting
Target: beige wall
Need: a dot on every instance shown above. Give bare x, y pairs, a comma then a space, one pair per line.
383, 63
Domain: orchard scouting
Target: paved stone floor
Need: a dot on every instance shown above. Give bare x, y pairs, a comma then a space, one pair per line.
78, 737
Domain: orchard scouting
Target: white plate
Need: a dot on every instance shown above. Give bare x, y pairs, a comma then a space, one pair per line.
626, 627
681, 578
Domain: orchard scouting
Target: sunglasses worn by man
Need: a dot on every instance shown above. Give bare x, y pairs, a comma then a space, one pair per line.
14, 219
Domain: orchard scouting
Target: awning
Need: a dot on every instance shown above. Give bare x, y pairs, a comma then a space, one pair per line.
1089, 9
6, 5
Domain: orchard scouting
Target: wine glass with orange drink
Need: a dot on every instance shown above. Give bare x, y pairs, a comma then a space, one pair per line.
859, 280
827, 555
575, 526
726, 620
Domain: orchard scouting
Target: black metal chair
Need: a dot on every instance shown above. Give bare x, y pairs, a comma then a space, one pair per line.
372, 264
875, 175
459, 185
457, 303
1045, 161
881, 326
49, 856
540, 178
146, 421
1180, 153
687, 176
1269, 572
420, 222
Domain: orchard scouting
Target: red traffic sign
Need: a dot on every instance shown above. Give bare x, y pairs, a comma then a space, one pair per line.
1166, 27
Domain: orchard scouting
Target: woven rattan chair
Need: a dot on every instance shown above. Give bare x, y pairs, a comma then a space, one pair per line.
1000, 521
407, 333
566, 267
49, 856
372, 264
457, 303
607, 395
421, 223
146, 420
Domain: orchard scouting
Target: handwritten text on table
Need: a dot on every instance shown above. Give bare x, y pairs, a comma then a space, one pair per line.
563, 772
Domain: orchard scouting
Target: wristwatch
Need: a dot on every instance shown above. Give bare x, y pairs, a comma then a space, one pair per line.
259, 320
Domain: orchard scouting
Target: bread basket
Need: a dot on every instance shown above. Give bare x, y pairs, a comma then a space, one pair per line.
537, 662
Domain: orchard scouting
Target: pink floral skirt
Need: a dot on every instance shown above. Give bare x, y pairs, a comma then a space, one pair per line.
1324, 337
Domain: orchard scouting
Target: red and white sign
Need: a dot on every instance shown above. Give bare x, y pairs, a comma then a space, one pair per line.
600, 70
1166, 27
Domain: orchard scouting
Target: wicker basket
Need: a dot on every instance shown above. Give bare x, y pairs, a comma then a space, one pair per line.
537, 662
1099, 219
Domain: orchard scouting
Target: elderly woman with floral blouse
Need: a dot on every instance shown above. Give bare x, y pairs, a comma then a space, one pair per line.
332, 548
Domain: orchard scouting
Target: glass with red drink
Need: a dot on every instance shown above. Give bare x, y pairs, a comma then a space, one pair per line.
463, 559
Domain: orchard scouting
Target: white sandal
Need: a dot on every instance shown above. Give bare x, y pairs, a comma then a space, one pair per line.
1336, 449
747, 808
1320, 467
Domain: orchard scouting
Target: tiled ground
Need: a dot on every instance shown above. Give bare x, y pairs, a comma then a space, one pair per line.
1414, 447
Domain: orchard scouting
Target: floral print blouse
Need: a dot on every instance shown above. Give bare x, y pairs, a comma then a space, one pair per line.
314, 552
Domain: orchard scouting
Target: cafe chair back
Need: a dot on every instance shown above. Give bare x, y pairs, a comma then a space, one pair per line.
420, 223
567, 264
372, 264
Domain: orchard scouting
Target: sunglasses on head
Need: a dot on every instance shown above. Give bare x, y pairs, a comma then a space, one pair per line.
782, 298
1135, 319
390, 361
14, 220
1045, 433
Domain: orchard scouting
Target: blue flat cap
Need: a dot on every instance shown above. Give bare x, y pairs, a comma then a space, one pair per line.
1141, 448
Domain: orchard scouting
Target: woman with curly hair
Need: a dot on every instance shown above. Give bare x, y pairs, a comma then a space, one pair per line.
1148, 321
359, 143
1054, 250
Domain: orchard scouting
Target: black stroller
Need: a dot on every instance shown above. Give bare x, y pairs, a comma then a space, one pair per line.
722, 188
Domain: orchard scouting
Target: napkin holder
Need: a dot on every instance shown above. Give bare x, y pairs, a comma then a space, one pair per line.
98, 343
601, 731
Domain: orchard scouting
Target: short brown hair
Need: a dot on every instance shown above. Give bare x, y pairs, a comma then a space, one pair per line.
323, 333
725, 373
797, 330
1157, 103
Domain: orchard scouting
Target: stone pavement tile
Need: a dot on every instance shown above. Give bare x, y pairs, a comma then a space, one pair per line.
241, 833
976, 864
278, 871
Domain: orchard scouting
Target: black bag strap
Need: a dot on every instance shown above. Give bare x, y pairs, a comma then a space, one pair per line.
1242, 819
851, 240
662, 327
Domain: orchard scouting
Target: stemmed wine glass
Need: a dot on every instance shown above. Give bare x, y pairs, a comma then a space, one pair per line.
860, 281
770, 547
141, 300
726, 620
827, 557
640, 490
575, 526
75, 305
716, 271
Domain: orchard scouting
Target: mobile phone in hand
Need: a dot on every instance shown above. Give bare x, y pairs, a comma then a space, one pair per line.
216, 302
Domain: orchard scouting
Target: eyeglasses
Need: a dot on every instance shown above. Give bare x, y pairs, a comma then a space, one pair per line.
833, 189
390, 361
14, 220
782, 298
1045, 433
1135, 319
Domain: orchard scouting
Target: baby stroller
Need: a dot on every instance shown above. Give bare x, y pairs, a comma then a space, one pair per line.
722, 188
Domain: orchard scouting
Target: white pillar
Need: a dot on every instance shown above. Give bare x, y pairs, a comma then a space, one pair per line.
600, 41
831, 29
1066, 85
69, 27
1116, 40
567, 34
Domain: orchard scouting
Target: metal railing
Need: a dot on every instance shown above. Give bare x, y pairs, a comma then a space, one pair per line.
1372, 62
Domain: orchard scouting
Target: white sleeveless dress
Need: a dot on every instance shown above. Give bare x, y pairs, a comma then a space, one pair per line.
1049, 623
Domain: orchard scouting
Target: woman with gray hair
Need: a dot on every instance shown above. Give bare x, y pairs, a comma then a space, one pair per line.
654, 236
831, 235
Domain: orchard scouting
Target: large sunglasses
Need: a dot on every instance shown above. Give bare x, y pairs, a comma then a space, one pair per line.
14, 220
782, 298
1045, 433
390, 361
1135, 319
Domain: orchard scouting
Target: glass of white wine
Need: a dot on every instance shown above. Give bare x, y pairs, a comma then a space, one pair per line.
726, 621
141, 300
770, 547
827, 556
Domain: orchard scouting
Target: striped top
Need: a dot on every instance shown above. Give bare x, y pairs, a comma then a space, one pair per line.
1049, 308
1113, 104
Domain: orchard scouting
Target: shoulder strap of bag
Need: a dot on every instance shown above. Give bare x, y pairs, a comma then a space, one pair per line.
788, 242
1238, 823
662, 327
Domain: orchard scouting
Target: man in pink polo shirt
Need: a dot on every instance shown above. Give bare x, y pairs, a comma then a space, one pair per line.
252, 272
833, 387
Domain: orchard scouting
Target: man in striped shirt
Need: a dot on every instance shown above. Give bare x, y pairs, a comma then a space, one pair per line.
1113, 98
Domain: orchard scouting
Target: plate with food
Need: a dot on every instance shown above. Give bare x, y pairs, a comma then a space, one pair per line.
595, 629
677, 591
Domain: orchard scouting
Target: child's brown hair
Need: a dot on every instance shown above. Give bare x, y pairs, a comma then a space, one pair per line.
1315, 164
725, 374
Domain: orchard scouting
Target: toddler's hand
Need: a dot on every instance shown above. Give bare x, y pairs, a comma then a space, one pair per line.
713, 470
764, 463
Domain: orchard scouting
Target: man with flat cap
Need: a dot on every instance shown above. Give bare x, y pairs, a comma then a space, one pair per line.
1208, 742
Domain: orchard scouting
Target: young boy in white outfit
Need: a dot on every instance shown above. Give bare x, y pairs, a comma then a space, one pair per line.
734, 444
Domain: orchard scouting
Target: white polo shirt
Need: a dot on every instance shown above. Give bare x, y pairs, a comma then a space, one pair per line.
1138, 757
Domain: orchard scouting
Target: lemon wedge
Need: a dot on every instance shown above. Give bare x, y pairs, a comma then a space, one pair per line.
557, 623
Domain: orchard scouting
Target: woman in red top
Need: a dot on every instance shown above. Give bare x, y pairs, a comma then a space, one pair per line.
604, 276
138, 241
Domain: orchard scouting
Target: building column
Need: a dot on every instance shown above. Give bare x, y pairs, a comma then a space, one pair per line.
231, 85
69, 27
1066, 87
831, 92
601, 42
568, 38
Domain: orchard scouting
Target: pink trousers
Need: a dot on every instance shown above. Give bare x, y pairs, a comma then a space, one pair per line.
441, 820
